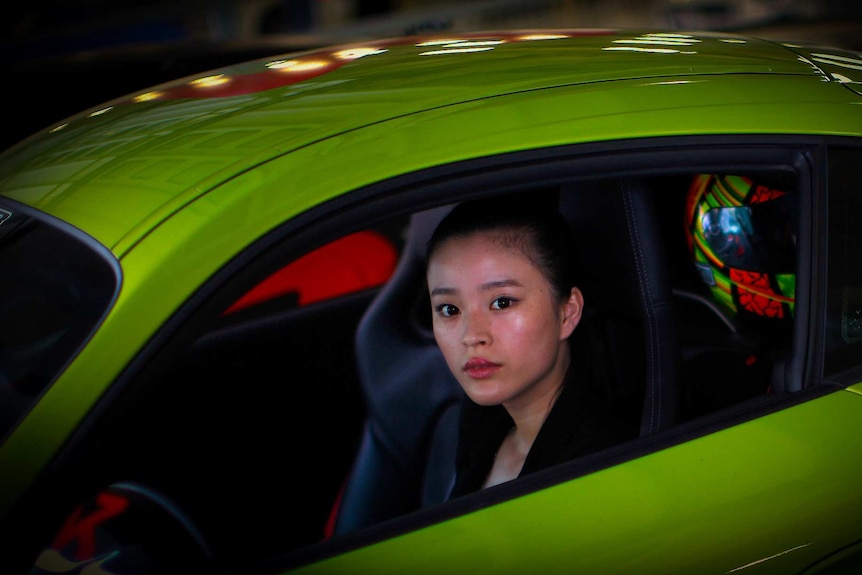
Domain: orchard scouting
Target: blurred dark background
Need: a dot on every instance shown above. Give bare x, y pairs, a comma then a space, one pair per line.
66, 56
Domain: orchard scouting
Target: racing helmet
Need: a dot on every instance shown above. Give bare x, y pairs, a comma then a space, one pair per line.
742, 236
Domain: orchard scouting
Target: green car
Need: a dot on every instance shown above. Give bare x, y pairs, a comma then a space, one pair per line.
216, 350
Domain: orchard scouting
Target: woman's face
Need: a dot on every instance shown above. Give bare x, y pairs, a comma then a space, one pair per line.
498, 322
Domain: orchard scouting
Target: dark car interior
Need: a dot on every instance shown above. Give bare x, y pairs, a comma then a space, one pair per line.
284, 425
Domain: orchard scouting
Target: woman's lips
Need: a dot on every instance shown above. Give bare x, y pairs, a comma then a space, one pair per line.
479, 368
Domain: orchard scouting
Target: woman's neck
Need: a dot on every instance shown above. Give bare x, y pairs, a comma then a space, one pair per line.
528, 418
529, 412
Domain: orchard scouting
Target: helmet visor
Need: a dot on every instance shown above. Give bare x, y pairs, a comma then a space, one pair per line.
757, 238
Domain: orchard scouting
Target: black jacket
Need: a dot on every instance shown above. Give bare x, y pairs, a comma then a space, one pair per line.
581, 421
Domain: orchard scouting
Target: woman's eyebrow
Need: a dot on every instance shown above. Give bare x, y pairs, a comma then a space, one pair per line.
501, 283
443, 291
495, 284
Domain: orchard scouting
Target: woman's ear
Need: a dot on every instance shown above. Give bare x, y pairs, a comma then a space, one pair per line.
572, 309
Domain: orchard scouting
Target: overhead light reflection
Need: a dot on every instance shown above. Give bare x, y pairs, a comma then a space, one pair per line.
636, 49
58, 128
842, 79
209, 81
147, 97
281, 64
668, 35
805, 60
658, 39
530, 37
684, 38
474, 43
765, 559
438, 42
835, 60
668, 83
100, 112
456, 51
356, 53
655, 42
296, 65
732, 41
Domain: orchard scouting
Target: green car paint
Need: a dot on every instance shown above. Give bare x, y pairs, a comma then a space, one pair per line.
173, 150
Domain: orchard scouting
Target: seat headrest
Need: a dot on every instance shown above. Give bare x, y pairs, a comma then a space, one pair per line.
422, 225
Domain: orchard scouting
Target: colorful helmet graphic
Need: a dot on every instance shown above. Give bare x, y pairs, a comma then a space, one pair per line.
742, 236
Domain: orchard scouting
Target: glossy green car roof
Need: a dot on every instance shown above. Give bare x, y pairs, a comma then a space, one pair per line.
121, 169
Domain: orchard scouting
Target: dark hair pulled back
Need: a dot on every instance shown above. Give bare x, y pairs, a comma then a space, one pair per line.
534, 228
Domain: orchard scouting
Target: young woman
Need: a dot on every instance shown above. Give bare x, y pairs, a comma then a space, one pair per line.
505, 304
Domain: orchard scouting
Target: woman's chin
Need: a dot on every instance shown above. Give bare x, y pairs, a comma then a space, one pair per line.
485, 397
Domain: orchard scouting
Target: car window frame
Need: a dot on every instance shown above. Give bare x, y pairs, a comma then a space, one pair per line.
97, 253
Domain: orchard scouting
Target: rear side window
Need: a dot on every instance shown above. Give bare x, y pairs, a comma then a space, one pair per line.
55, 286
844, 303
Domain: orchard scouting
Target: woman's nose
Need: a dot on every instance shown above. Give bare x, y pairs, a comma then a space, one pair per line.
476, 330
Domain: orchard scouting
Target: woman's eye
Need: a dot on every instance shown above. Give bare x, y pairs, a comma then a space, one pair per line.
501, 303
447, 310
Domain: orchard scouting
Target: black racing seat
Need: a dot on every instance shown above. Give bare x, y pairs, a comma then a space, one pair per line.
628, 293
406, 459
